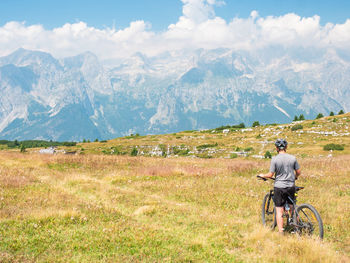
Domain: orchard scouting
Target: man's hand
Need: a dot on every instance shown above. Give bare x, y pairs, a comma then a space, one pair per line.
261, 176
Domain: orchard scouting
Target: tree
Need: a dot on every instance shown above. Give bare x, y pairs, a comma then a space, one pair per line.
134, 152
301, 117
341, 112
296, 118
23, 149
331, 113
96, 140
319, 116
255, 124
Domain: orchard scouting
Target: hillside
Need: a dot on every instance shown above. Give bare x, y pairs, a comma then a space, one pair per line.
251, 142
97, 206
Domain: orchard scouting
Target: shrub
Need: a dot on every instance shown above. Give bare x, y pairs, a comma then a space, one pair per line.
204, 155
333, 147
319, 116
297, 127
23, 149
180, 152
134, 152
239, 126
267, 155
301, 117
331, 113
117, 150
256, 124
164, 149
204, 146
341, 112
132, 136
233, 155
248, 149
183, 152
69, 143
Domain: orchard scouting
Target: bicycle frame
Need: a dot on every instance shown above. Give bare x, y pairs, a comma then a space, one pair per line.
302, 218
294, 215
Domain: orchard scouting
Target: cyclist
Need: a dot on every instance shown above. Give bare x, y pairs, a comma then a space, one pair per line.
286, 169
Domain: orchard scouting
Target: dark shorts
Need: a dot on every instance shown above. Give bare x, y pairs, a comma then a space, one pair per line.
280, 196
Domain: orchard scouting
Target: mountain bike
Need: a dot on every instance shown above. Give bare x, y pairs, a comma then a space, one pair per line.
303, 219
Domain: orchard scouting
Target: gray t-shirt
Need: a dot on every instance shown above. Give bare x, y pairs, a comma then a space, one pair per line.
284, 166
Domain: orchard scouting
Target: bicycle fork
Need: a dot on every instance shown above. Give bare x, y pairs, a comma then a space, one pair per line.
267, 206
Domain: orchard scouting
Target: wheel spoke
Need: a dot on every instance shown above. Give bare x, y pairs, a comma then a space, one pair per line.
309, 221
268, 212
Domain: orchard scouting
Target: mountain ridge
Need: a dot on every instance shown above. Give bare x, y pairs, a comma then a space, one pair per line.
42, 96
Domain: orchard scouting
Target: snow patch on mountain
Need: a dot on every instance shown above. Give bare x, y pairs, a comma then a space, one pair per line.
280, 109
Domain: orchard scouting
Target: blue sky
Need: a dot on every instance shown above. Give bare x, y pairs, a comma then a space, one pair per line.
160, 13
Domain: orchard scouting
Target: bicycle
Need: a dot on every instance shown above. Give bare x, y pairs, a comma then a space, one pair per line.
303, 219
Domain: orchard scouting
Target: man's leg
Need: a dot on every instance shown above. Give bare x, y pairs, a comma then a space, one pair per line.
279, 218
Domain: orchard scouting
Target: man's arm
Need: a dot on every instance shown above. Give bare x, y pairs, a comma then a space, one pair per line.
272, 170
297, 173
268, 175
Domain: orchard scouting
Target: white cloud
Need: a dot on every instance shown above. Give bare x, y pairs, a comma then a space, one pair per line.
198, 27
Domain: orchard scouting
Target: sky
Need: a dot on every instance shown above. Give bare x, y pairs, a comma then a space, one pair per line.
116, 28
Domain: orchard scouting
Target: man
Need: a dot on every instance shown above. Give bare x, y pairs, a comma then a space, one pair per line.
286, 170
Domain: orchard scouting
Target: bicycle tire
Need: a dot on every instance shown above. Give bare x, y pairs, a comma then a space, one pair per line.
311, 221
268, 215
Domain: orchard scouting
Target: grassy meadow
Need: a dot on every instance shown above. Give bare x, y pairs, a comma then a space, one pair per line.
99, 208
200, 204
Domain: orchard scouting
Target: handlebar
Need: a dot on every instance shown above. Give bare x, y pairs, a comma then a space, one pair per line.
265, 179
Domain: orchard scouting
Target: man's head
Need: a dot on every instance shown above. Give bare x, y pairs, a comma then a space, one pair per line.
281, 145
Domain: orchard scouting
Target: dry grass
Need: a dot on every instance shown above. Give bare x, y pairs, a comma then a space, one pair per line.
89, 208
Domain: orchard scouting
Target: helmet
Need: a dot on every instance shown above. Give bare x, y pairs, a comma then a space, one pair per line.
281, 144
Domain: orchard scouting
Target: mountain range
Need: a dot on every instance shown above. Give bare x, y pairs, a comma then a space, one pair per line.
81, 97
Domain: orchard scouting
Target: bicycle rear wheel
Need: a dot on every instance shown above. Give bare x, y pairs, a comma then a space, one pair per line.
309, 221
268, 212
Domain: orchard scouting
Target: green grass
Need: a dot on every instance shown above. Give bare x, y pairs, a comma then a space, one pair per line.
111, 207
96, 208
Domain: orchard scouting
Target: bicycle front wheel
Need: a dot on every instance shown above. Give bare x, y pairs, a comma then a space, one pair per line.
268, 212
309, 221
